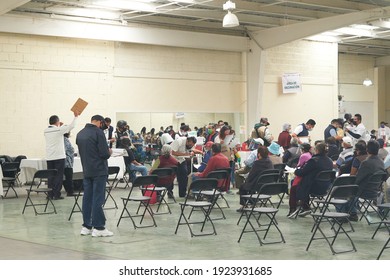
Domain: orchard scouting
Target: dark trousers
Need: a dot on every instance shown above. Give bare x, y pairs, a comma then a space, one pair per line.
56, 183
68, 182
182, 178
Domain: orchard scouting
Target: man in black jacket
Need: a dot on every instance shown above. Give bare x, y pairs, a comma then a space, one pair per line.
94, 152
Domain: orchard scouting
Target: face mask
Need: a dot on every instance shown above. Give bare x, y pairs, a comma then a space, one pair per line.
103, 126
382, 126
209, 130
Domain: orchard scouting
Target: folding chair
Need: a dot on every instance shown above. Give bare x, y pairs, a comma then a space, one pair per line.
385, 246
10, 173
40, 175
19, 159
111, 183
201, 185
336, 219
383, 210
76, 206
335, 201
166, 176
281, 167
254, 213
368, 195
253, 198
325, 177
143, 183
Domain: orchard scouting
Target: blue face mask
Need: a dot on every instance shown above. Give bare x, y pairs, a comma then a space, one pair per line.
382, 126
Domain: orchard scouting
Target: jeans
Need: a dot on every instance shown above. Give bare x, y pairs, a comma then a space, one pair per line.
139, 168
93, 200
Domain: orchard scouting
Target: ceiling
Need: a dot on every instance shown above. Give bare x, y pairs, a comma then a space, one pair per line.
370, 37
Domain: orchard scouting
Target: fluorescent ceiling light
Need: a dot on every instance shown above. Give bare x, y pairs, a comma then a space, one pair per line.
137, 5
324, 38
356, 32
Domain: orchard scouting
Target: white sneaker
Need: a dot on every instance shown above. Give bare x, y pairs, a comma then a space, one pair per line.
102, 233
86, 231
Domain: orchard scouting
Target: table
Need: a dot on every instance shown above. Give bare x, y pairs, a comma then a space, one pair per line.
29, 166
112, 161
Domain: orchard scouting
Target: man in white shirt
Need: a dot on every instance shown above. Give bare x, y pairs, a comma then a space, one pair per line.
55, 152
182, 148
358, 131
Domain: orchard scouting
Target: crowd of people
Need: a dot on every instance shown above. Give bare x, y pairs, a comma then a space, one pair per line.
347, 148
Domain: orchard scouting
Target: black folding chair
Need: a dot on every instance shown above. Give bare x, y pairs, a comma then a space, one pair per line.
385, 246
253, 198
76, 205
42, 176
10, 173
166, 176
143, 183
336, 219
255, 213
200, 185
325, 177
113, 171
368, 195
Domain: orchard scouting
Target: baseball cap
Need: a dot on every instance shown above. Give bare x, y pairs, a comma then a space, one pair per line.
347, 140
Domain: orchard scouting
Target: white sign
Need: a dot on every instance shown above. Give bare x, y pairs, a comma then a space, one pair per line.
291, 83
179, 115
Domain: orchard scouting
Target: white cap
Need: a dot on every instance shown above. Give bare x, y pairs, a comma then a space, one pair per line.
347, 140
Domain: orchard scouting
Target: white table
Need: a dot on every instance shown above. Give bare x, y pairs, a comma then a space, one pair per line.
112, 161
28, 167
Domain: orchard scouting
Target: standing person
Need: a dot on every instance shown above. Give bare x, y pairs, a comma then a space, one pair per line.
121, 133
94, 153
55, 152
260, 130
68, 171
358, 131
303, 130
284, 139
331, 130
109, 131
182, 148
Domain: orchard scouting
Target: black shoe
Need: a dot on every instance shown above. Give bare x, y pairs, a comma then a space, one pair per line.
353, 218
239, 210
58, 198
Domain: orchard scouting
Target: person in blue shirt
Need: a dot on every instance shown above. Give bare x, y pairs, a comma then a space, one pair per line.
207, 155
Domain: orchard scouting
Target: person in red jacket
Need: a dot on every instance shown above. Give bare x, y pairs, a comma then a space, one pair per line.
217, 161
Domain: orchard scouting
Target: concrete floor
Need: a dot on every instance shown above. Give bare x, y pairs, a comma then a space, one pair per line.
53, 237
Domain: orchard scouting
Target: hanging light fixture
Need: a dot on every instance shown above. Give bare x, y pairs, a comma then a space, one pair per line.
230, 19
367, 82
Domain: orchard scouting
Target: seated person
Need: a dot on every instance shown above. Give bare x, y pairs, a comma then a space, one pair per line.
319, 162
248, 163
166, 160
368, 167
274, 153
217, 161
305, 157
207, 155
382, 153
343, 163
132, 165
333, 149
262, 163
291, 155
360, 155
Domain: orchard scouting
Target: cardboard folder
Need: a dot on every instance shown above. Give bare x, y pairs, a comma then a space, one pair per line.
79, 106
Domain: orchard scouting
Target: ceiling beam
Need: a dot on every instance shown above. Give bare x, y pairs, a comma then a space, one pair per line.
273, 37
8, 5
117, 33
